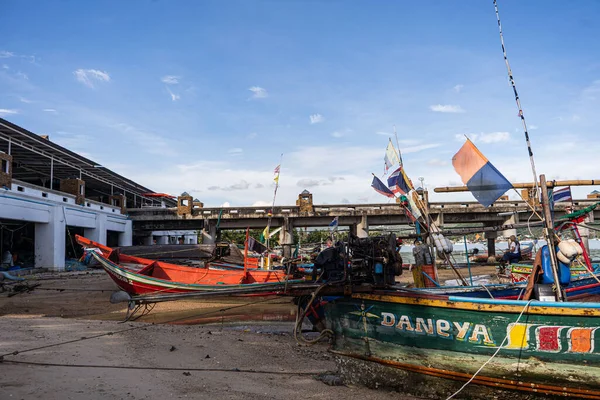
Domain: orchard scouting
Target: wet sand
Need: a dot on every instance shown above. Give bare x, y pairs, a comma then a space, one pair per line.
238, 352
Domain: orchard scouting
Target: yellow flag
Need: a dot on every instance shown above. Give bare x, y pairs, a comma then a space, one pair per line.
266, 232
276, 179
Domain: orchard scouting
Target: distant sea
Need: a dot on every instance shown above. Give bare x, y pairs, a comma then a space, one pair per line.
459, 249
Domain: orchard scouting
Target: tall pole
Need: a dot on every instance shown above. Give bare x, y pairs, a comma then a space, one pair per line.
270, 215
517, 100
549, 233
398, 146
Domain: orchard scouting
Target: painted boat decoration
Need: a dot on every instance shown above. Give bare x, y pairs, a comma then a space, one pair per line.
139, 276
542, 347
521, 272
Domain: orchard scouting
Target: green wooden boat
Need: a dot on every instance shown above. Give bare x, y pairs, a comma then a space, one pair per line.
542, 347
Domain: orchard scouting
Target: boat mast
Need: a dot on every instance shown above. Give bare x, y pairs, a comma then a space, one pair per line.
546, 215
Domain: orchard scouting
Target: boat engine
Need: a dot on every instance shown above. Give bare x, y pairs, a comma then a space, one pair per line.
374, 259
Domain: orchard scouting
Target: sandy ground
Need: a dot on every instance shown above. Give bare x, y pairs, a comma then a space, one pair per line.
237, 352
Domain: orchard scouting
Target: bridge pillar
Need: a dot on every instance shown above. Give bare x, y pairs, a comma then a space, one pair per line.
585, 232
209, 233
491, 243
286, 239
513, 219
438, 219
362, 228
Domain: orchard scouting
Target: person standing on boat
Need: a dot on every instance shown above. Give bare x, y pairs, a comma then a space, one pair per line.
513, 254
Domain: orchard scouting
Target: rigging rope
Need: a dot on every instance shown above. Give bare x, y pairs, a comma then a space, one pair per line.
142, 326
493, 355
133, 367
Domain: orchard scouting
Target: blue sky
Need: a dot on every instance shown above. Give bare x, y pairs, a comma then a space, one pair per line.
204, 96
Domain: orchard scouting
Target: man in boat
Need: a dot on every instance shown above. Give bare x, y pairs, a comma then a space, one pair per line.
512, 254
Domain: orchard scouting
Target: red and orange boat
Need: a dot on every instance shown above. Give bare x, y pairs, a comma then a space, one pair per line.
140, 276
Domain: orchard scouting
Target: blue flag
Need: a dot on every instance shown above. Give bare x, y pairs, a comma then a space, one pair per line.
381, 188
334, 224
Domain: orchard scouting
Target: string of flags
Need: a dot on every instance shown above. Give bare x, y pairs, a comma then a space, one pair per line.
276, 171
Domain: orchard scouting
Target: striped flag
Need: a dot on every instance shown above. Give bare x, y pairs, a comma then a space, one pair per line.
381, 188
562, 194
398, 182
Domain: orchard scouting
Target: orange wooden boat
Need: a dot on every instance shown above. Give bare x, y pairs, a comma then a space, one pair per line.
138, 276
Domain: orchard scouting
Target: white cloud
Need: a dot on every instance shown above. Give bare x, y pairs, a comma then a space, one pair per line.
533, 127
448, 108
89, 76
5, 66
437, 162
458, 88
50, 110
170, 79
6, 54
492, 137
235, 151
24, 100
252, 135
316, 118
226, 204
5, 111
22, 75
261, 203
337, 134
383, 133
258, 92
420, 147
174, 96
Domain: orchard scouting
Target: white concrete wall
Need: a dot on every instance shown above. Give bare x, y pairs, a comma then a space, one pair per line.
172, 237
52, 211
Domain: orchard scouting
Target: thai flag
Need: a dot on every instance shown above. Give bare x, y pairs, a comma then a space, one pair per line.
484, 181
381, 188
563, 194
397, 182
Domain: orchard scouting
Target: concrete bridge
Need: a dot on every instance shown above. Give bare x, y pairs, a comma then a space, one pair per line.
358, 217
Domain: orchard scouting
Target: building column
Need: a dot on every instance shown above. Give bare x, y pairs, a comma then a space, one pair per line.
147, 241
491, 243
164, 239
362, 229
97, 234
209, 233
50, 241
126, 237
286, 239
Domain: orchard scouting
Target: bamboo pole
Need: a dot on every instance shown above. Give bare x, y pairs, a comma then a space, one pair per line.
525, 185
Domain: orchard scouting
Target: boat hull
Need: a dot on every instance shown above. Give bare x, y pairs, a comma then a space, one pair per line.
549, 350
138, 284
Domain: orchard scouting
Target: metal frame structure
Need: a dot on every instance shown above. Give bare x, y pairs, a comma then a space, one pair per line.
36, 159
